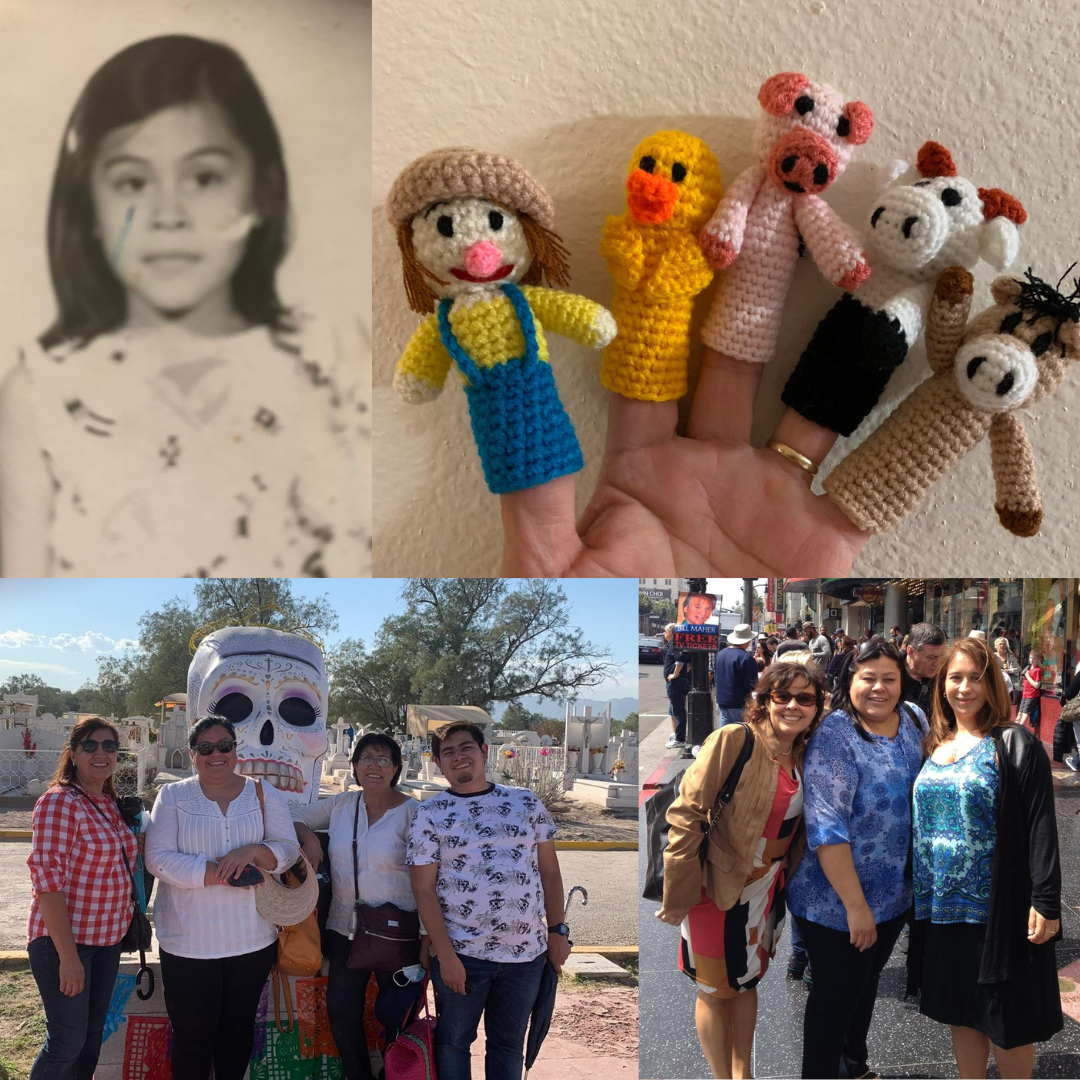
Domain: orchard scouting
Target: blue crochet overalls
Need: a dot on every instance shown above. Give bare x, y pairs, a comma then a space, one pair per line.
521, 429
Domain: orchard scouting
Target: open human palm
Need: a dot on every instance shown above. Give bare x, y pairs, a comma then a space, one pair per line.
704, 503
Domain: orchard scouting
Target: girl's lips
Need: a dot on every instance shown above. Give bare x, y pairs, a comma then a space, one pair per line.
463, 275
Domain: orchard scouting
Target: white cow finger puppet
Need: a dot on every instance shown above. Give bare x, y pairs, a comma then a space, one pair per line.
773, 210
926, 220
271, 686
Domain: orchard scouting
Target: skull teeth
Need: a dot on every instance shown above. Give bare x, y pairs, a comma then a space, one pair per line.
283, 776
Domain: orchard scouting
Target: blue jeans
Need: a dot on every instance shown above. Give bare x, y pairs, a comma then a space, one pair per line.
730, 716
504, 994
73, 1025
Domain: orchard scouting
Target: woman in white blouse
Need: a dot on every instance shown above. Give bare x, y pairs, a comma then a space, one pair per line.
382, 816
216, 949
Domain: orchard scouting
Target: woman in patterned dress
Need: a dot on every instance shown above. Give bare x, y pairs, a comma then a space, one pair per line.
731, 914
987, 876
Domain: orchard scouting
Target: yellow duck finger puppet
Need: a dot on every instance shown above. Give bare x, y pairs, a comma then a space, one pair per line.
477, 240
653, 254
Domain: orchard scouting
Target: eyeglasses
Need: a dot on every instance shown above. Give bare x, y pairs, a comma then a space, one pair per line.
222, 746
782, 697
382, 762
91, 746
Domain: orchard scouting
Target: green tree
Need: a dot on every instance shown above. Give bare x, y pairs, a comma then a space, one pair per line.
159, 666
631, 722
518, 718
51, 699
467, 641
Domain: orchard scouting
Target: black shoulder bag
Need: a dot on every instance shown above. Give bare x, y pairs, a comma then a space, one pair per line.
656, 821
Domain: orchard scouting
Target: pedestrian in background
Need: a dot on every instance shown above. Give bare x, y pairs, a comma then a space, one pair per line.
987, 876
851, 892
80, 908
755, 843
922, 658
1031, 692
736, 674
820, 647
677, 679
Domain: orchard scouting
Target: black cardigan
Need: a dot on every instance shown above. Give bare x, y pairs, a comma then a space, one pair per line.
1025, 872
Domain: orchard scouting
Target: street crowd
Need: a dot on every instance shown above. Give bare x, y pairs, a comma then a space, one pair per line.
882, 794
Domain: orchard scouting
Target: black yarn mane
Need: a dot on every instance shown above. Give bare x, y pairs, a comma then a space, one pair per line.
1045, 299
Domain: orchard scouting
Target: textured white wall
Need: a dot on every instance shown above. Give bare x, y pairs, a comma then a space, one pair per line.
569, 87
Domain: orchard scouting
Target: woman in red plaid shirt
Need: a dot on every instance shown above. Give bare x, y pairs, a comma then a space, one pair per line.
81, 905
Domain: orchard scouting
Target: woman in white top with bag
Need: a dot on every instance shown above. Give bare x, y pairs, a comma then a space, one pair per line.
380, 816
208, 839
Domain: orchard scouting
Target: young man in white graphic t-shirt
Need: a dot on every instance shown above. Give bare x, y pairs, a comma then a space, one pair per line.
489, 891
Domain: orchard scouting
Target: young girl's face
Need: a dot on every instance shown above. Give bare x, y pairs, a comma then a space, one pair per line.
174, 203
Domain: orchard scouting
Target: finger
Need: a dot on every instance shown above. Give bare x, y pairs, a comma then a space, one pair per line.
723, 406
633, 425
805, 437
1033, 920
539, 532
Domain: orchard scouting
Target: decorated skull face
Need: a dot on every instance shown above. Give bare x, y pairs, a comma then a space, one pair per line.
272, 687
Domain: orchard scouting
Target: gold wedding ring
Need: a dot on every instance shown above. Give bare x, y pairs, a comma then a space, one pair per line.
793, 456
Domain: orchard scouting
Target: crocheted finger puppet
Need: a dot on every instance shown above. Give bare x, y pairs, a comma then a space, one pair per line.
1011, 355
477, 239
926, 220
774, 209
653, 255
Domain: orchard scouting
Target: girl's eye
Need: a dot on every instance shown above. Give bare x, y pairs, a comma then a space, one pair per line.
445, 225
207, 178
129, 184
495, 220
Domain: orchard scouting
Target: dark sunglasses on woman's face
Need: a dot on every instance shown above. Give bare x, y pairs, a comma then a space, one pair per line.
222, 746
782, 697
110, 746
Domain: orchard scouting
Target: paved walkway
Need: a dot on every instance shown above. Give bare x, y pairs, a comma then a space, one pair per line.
903, 1043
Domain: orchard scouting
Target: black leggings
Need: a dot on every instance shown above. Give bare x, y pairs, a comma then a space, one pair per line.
840, 1004
212, 1006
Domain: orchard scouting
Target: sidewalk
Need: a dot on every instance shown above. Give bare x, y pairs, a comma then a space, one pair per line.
903, 1043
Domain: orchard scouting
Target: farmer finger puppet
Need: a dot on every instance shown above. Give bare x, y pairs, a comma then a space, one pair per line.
926, 220
653, 255
773, 210
477, 240
1011, 355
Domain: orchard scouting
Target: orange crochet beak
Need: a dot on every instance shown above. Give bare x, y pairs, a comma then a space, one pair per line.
651, 198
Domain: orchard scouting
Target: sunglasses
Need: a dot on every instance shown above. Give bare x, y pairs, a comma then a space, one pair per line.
91, 746
782, 697
222, 746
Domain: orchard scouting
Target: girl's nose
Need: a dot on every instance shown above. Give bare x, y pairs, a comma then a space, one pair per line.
168, 210
482, 259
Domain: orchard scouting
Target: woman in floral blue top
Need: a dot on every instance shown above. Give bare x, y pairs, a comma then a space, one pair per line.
987, 878
851, 892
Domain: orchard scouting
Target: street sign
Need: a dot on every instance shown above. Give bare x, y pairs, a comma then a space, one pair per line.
655, 594
692, 638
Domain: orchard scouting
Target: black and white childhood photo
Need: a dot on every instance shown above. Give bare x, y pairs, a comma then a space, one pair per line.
184, 355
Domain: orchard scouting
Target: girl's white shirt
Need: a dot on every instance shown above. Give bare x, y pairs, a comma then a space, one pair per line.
383, 875
186, 831
173, 454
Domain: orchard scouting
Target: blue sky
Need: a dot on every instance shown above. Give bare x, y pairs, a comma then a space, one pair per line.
57, 628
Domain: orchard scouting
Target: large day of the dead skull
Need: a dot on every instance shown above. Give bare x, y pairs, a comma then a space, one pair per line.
272, 687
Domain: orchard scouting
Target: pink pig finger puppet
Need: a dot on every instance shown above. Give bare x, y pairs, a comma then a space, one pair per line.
802, 144
927, 219
1008, 356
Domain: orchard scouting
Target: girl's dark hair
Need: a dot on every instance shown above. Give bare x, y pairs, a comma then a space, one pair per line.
779, 676
874, 649
206, 722
376, 738
143, 79
65, 768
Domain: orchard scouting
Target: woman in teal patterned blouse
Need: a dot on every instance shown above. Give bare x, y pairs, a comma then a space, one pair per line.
982, 775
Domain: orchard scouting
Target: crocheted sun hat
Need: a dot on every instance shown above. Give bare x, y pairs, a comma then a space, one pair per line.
458, 172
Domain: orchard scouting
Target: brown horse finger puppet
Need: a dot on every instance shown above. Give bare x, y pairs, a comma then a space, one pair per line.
1010, 355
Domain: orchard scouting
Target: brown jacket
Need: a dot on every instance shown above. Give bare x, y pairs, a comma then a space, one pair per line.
732, 843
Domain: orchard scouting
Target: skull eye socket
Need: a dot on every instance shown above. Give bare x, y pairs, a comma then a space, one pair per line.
235, 707
297, 711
